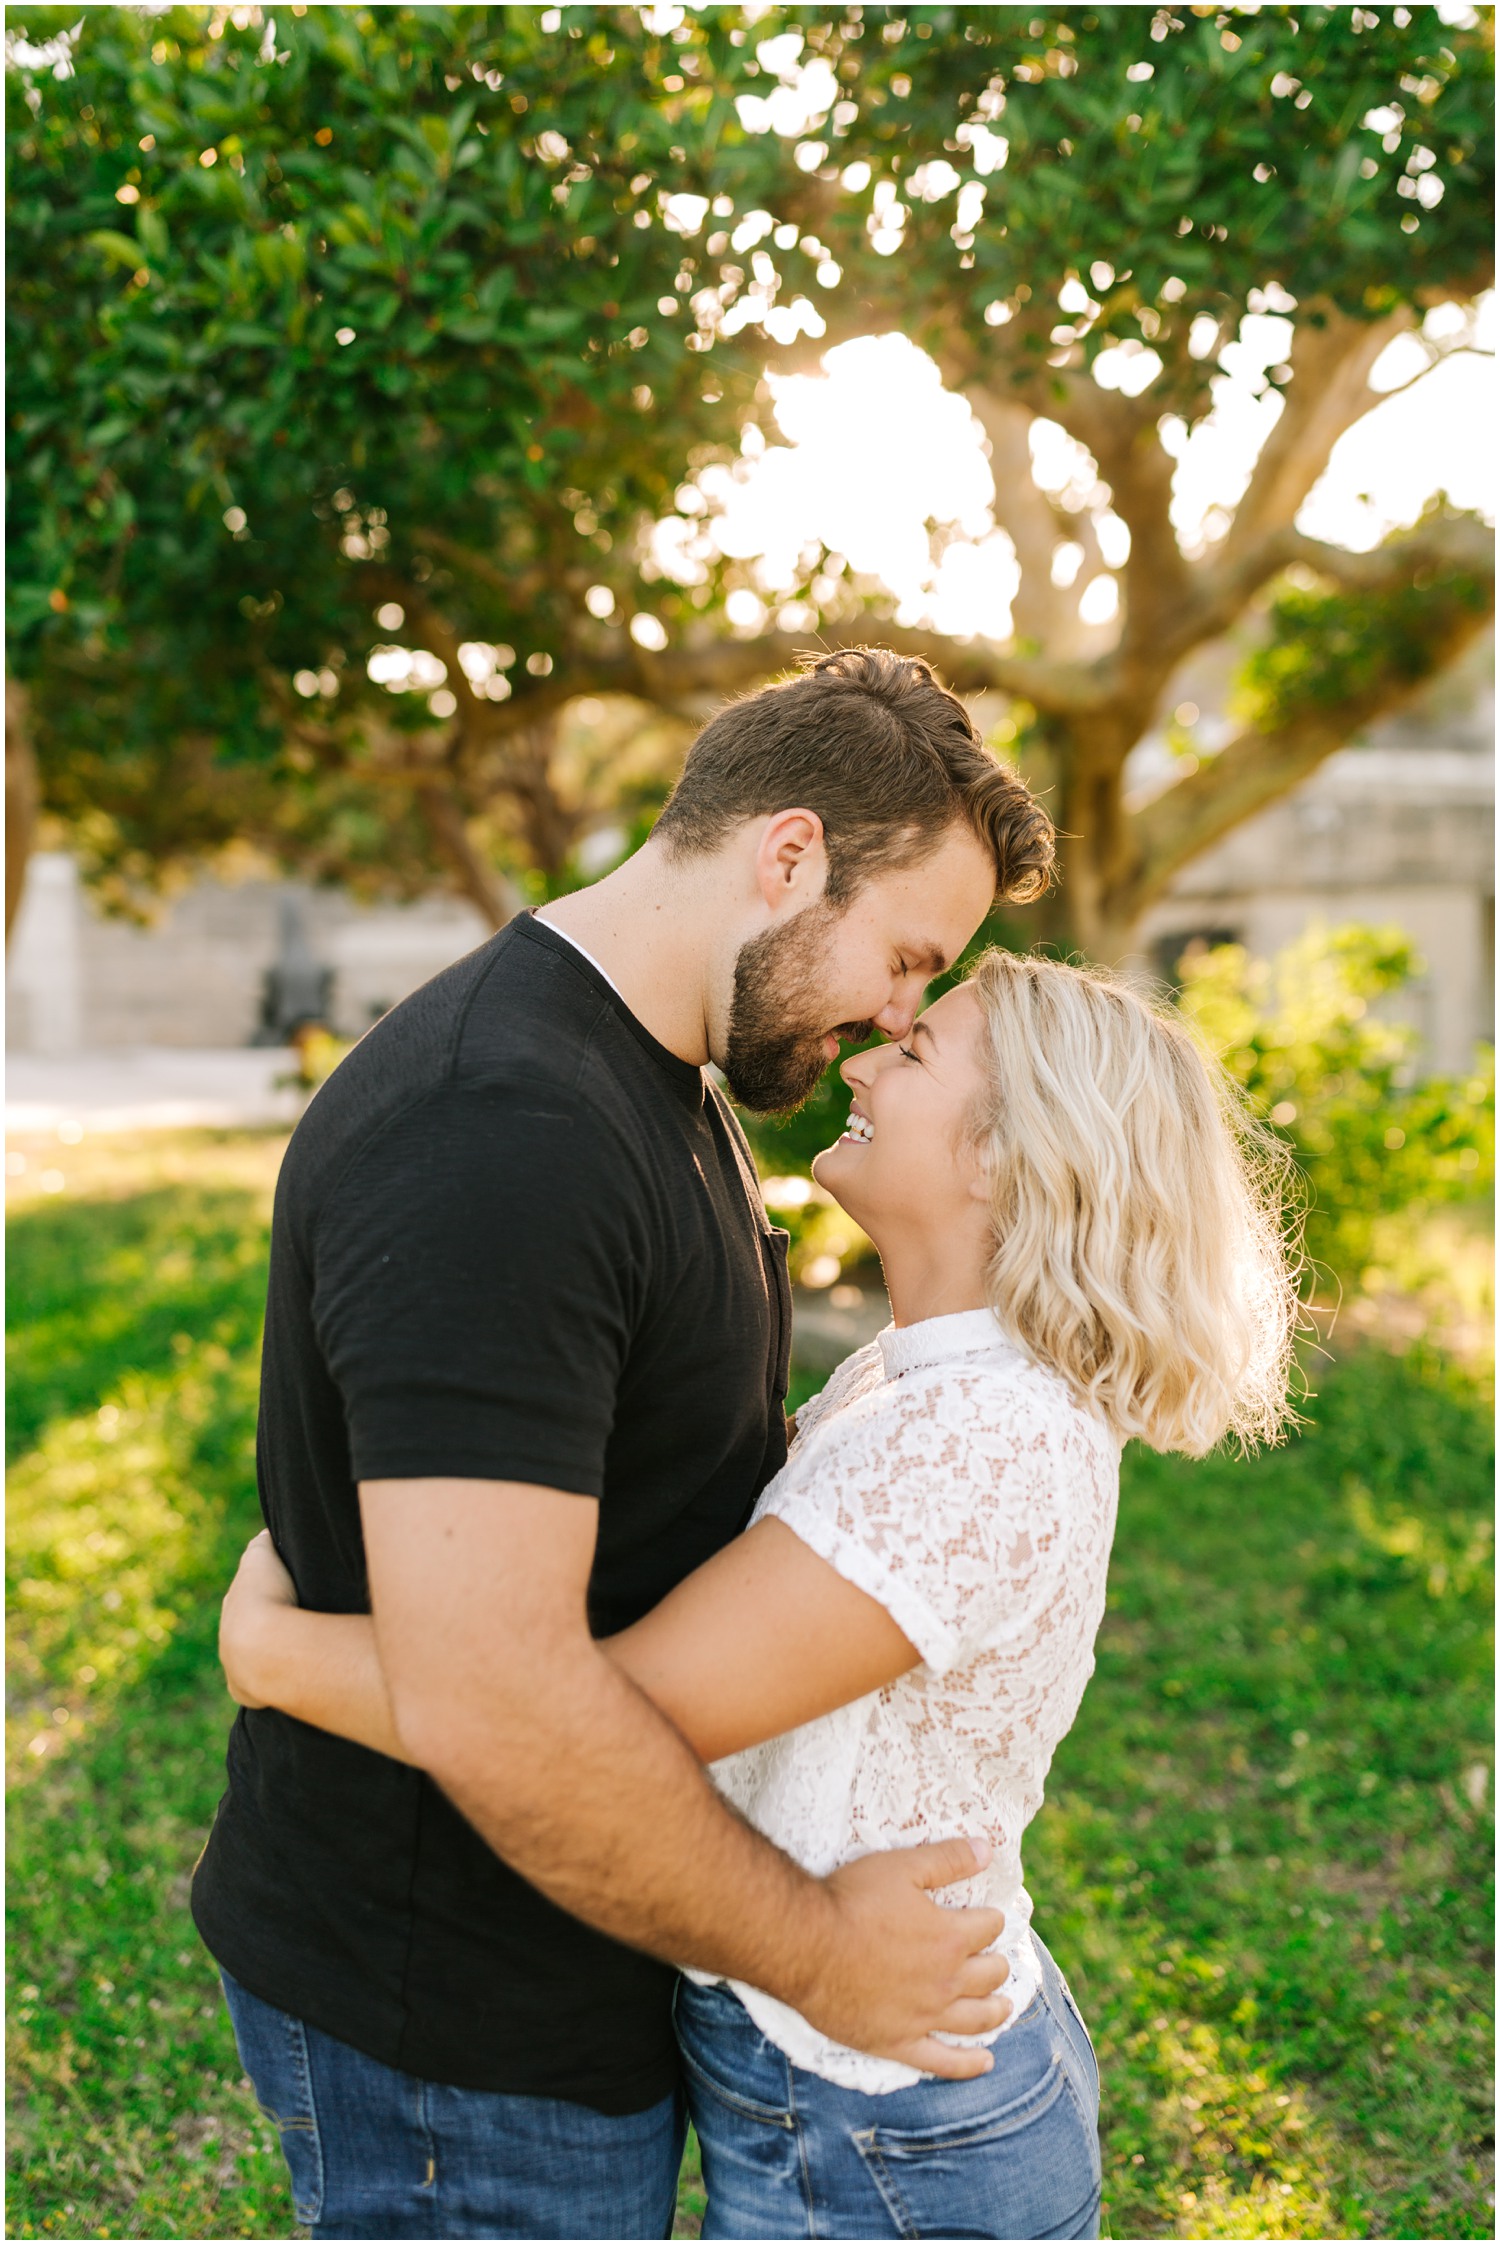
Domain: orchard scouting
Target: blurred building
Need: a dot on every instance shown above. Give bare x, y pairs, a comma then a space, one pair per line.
1401, 830
201, 975
1398, 832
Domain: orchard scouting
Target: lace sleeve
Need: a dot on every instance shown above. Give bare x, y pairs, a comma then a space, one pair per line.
949, 1503
844, 1381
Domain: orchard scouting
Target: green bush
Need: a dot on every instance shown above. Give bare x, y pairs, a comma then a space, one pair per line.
1332, 1075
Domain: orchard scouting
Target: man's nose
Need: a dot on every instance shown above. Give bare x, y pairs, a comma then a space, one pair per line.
896, 1019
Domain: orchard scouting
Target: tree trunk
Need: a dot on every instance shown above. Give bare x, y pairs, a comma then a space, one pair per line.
482, 883
22, 798
550, 823
1092, 906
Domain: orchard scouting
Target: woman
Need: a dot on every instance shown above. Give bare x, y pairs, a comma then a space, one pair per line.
1082, 1240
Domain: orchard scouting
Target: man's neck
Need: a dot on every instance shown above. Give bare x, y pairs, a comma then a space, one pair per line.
644, 926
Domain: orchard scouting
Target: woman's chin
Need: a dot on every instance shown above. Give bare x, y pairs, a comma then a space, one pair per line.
832, 1170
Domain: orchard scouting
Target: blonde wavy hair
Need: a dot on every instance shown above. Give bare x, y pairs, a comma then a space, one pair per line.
1145, 1236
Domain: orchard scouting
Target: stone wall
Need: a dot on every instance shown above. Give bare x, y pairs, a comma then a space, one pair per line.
1395, 834
77, 980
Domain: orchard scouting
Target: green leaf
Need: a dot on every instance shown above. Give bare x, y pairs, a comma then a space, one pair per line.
120, 249
151, 227
250, 334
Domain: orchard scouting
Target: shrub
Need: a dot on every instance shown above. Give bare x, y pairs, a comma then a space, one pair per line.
1335, 1076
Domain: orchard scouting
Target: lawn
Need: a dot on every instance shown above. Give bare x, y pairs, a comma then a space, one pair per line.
1265, 1861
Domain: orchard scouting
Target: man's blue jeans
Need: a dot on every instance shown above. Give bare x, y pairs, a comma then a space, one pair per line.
787, 2154
375, 2153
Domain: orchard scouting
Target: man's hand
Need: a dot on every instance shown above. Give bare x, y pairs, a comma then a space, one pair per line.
261, 1582
901, 1965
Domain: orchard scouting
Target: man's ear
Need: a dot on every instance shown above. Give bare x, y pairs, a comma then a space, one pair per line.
791, 861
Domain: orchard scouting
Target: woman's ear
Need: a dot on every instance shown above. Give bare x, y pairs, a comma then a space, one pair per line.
981, 1177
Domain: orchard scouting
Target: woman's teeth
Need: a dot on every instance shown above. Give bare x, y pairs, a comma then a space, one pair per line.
860, 1129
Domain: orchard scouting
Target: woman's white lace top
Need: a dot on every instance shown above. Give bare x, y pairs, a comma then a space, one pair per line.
947, 1475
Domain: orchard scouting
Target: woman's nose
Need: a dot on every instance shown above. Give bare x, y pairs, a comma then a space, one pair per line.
861, 1068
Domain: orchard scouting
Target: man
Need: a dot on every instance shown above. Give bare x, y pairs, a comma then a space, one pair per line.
526, 1350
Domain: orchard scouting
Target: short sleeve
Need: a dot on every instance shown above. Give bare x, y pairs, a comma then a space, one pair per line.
476, 1278
945, 1501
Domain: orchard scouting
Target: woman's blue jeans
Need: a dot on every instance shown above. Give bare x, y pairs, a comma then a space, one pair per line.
787, 2154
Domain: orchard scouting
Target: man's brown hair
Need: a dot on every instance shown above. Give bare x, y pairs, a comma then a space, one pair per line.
888, 759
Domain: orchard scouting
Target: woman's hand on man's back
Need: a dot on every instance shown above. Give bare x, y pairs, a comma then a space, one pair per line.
260, 1582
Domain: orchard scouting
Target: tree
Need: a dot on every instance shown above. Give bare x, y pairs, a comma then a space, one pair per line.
1075, 213
325, 334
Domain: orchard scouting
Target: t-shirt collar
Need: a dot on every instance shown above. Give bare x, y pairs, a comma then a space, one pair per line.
939, 1340
689, 1082
583, 953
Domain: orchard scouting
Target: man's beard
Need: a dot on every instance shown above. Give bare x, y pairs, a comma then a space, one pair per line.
774, 1048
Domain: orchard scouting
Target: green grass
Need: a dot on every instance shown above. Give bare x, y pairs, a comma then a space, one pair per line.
1264, 1863
136, 1298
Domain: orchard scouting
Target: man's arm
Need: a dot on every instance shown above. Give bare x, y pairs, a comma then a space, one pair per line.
563, 1765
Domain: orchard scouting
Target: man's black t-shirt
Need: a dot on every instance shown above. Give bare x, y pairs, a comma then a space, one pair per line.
515, 1239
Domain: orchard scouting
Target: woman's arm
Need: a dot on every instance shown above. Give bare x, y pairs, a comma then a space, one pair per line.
323, 1668
761, 1638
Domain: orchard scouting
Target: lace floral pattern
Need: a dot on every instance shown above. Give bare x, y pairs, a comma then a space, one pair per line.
947, 1475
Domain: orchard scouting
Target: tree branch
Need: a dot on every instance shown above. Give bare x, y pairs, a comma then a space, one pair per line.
483, 883
1331, 358
1460, 541
1044, 614
1259, 768
726, 666
1120, 433
476, 717
22, 796
1439, 358
551, 821
518, 588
